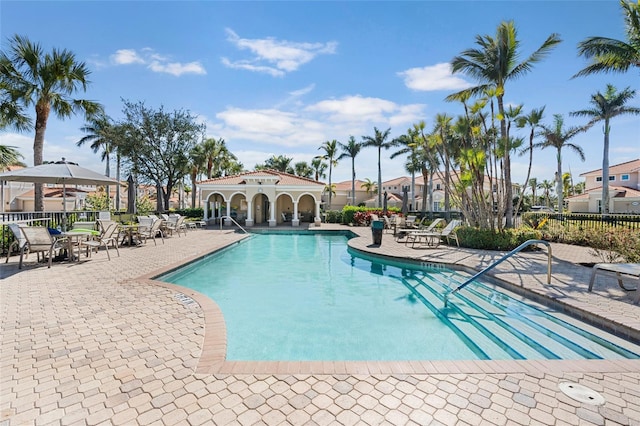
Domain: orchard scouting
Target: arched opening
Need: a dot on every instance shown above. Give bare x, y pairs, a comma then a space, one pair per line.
261, 209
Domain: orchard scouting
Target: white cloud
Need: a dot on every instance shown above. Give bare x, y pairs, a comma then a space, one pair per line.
275, 57
156, 62
431, 78
303, 91
361, 109
126, 57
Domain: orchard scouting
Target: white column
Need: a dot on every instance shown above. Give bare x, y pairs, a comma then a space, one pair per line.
317, 219
249, 221
206, 210
294, 220
227, 221
272, 213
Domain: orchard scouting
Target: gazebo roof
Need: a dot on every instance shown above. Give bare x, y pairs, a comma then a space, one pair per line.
270, 176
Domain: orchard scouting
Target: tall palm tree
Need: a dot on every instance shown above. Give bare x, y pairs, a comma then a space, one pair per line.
532, 120
379, 140
319, 168
48, 81
330, 149
100, 134
605, 107
12, 114
611, 55
351, 150
547, 187
410, 145
533, 183
446, 148
557, 137
197, 162
493, 64
9, 156
218, 157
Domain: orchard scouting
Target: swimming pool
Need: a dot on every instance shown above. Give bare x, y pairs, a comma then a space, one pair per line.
308, 297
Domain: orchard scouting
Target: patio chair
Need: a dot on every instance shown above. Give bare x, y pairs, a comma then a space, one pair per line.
40, 241
152, 232
433, 238
175, 224
109, 236
402, 232
19, 242
619, 269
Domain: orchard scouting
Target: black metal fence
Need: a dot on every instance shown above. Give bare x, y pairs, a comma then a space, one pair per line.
583, 221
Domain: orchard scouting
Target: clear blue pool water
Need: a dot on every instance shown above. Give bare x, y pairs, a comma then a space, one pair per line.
308, 297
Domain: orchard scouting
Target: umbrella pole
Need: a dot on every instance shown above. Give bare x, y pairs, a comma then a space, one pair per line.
64, 206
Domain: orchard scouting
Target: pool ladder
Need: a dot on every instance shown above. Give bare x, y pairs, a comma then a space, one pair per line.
499, 261
232, 220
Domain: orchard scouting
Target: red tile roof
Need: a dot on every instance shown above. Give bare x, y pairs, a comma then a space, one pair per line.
627, 167
284, 178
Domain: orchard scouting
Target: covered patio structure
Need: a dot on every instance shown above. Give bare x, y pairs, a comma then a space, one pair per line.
262, 197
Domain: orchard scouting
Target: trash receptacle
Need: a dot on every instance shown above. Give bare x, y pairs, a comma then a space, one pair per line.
377, 226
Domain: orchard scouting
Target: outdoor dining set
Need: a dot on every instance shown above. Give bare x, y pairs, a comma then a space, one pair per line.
85, 237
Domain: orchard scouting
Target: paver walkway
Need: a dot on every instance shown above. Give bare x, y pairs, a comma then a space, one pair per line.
93, 343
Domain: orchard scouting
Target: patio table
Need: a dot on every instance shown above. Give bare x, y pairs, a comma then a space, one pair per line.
131, 231
73, 239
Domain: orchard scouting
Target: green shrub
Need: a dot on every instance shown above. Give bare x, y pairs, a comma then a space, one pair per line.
333, 216
349, 213
486, 239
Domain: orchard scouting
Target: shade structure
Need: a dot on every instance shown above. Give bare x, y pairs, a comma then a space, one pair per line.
131, 196
60, 172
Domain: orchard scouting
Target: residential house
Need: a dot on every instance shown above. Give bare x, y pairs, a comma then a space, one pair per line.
624, 190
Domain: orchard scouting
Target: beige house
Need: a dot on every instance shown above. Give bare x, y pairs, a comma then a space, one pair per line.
343, 196
262, 197
624, 190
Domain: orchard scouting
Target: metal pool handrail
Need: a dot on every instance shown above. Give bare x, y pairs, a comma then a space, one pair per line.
499, 261
232, 220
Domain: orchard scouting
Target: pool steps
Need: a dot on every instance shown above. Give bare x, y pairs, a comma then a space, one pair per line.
513, 334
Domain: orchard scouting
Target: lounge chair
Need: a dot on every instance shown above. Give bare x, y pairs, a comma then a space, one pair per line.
40, 241
109, 236
433, 238
19, 242
427, 228
620, 269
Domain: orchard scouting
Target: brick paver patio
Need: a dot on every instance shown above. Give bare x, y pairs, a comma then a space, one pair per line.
97, 342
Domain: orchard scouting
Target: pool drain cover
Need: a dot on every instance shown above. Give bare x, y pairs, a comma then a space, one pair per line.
581, 393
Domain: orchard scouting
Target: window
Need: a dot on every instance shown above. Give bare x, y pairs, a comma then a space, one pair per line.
612, 177
438, 186
624, 177
598, 178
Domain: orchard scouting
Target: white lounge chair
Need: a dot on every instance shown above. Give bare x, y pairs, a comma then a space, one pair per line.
40, 241
152, 232
409, 231
620, 269
433, 239
109, 236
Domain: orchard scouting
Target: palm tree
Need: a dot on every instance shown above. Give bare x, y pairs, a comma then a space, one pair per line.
605, 107
494, 64
12, 114
319, 168
218, 157
533, 183
351, 149
611, 55
9, 156
197, 162
445, 144
547, 187
330, 149
48, 82
369, 186
303, 169
557, 137
533, 121
379, 140
101, 136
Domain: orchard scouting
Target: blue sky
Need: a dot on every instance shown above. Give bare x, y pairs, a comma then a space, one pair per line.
283, 77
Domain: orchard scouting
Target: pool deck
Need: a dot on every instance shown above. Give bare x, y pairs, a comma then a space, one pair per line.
99, 342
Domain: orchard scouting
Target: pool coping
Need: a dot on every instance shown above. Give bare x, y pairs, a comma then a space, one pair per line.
214, 347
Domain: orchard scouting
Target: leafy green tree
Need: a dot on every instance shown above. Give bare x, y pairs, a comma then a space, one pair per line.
493, 64
47, 81
330, 149
303, 169
158, 144
556, 136
379, 141
611, 55
351, 150
220, 161
606, 106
